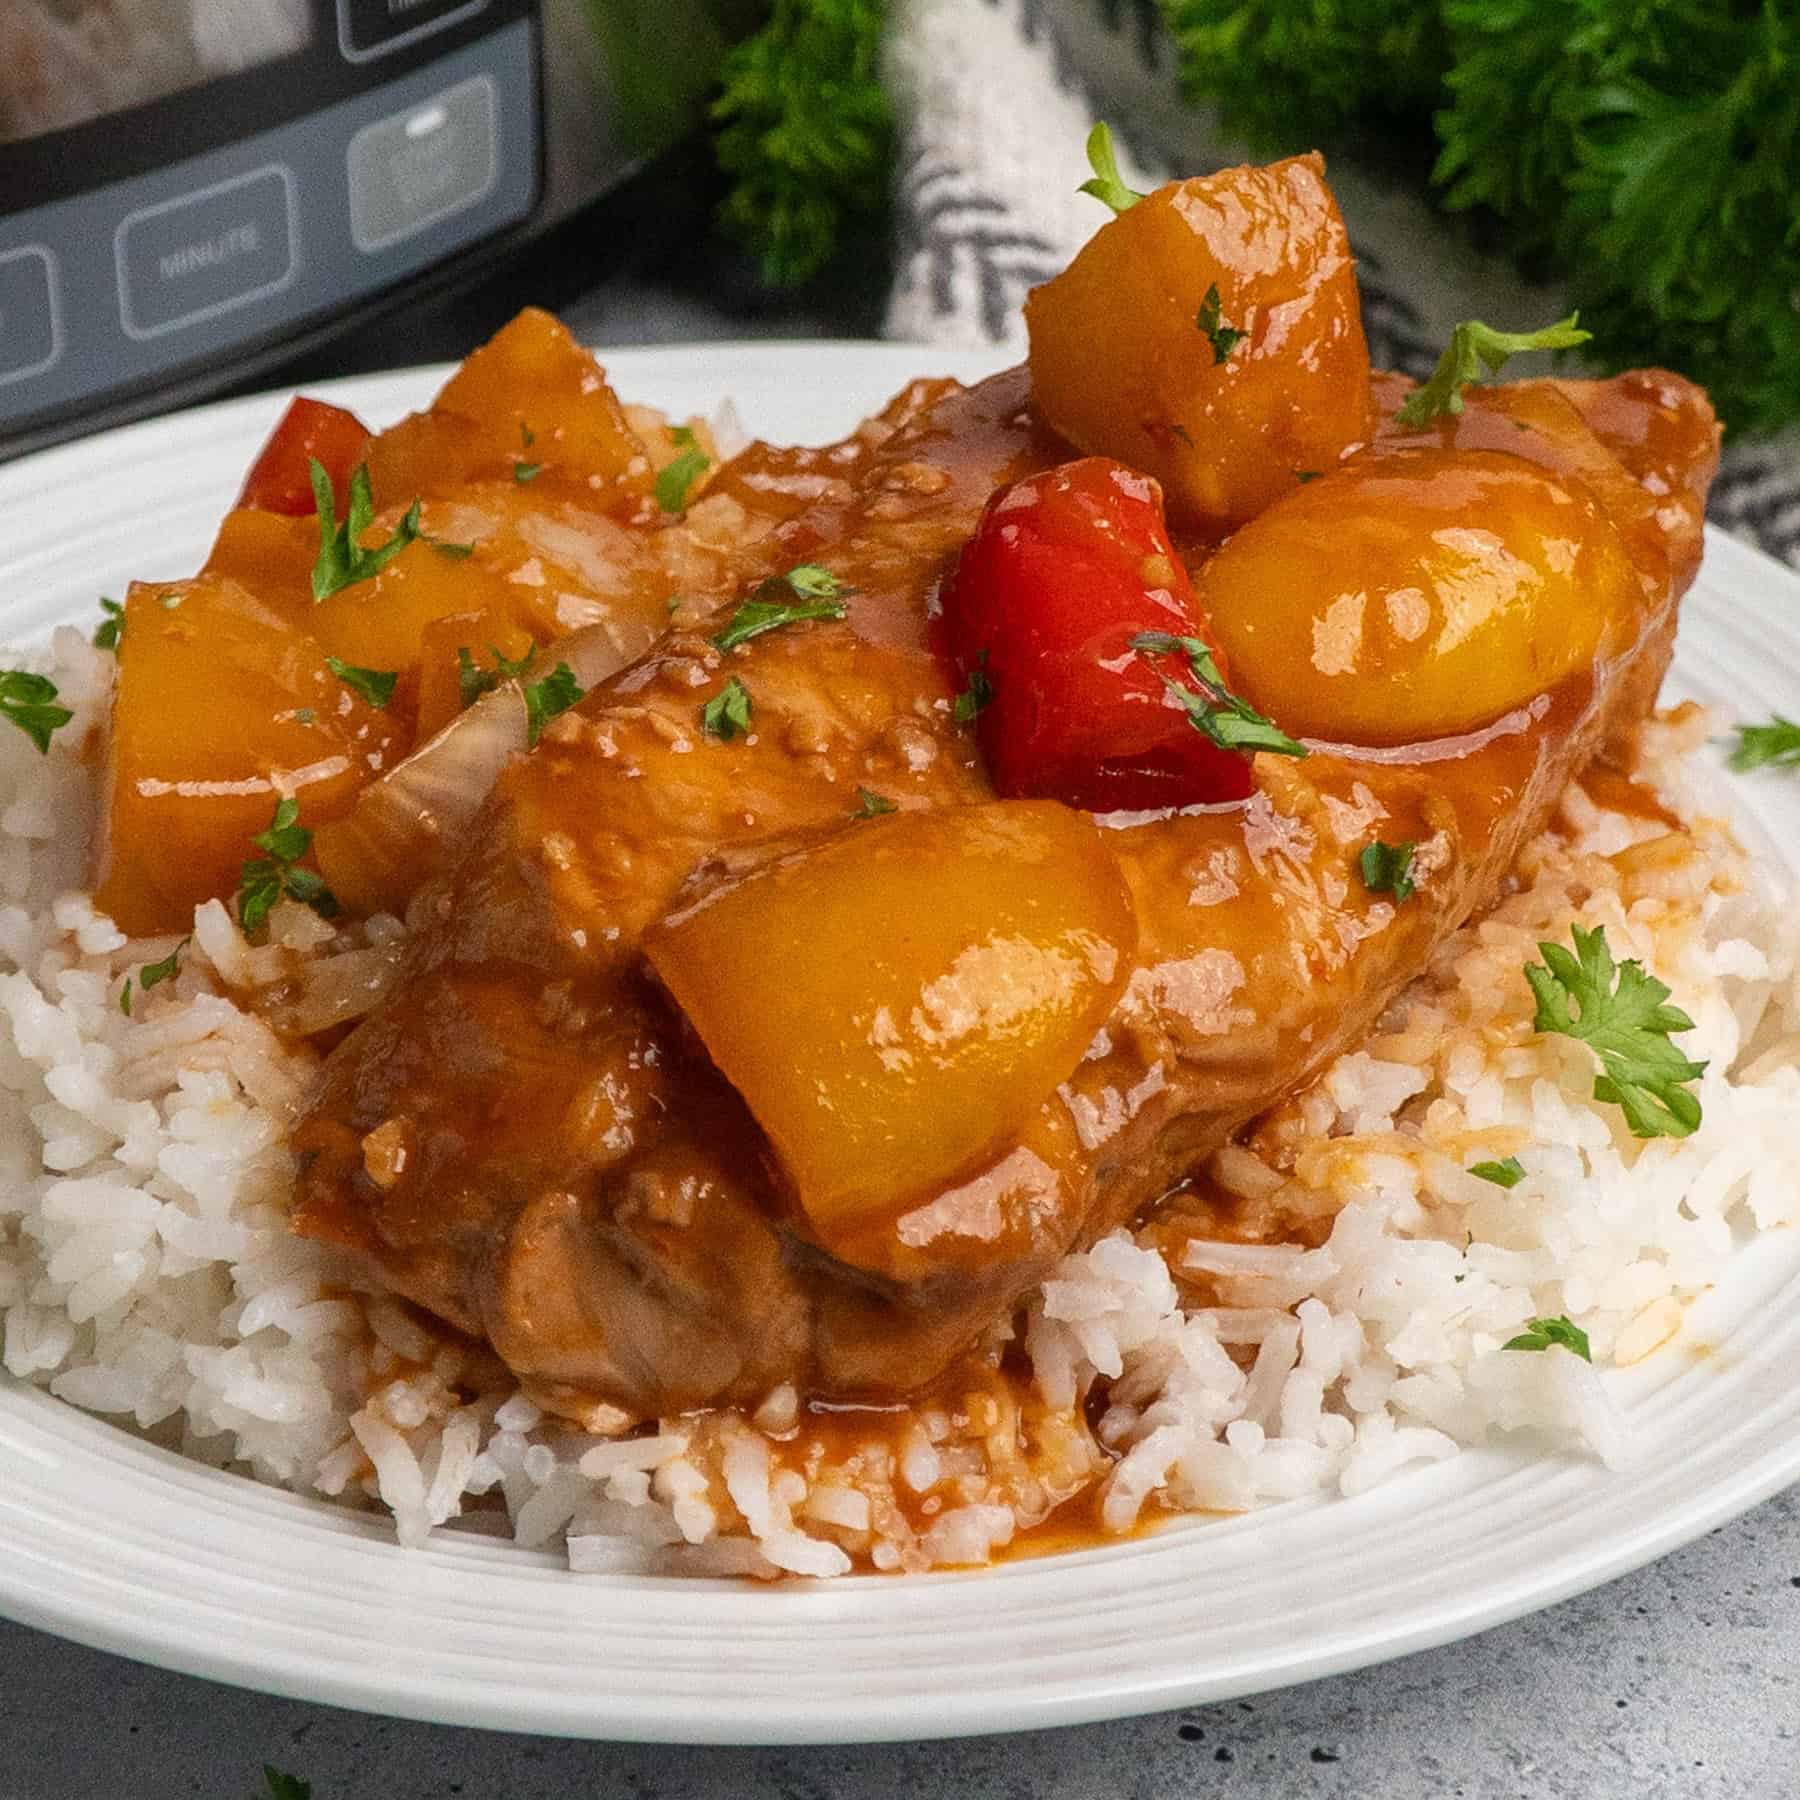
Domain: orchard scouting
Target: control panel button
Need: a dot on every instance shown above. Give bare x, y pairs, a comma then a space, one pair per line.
422, 165
30, 329
206, 253
370, 28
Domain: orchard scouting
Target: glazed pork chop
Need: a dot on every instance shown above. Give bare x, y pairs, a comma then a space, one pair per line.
580, 1127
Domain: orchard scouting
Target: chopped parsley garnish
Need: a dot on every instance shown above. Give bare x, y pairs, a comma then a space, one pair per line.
472, 681
285, 1787
680, 473
1305, 475
459, 552
264, 879
727, 712
871, 805
342, 561
1107, 185
375, 685
1627, 1026
1507, 1174
1214, 711
1772, 746
28, 701
544, 699
153, 975
819, 595
1540, 1334
1472, 347
1223, 338
1387, 869
526, 471
106, 633
977, 695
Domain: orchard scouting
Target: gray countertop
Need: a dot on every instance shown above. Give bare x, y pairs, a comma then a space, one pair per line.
1680, 1680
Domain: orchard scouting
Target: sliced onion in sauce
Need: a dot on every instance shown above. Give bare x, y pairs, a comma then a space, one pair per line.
406, 825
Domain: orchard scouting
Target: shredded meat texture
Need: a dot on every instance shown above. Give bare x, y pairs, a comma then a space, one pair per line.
530, 1140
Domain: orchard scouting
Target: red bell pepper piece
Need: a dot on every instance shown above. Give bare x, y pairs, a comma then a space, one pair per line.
280, 480
1064, 571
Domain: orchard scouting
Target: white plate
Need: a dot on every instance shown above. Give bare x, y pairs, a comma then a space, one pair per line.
129, 1548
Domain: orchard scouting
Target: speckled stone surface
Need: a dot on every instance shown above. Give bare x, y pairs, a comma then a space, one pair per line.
1680, 1682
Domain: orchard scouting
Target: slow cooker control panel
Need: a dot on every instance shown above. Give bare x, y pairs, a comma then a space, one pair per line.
118, 285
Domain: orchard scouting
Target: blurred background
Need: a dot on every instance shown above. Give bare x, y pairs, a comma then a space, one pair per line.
205, 195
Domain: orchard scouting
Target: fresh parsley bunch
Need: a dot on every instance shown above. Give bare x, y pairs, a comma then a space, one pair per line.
1649, 150
805, 133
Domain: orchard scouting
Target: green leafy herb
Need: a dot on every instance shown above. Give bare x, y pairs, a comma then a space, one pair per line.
1305, 475
1387, 869
106, 633
304, 715
526, 471
375, 685
727, 712
285, 1787
472, 681
1223, 338
27, 700
1507, 1174
977, 695
264, 879
820, 596
805, 131
1474, 346
458, 552
1214, 711
1107, 185
1540, 1334
1627, 1026
680, 473
872, 806
544, 699
342, 560
1772, 746
153, 975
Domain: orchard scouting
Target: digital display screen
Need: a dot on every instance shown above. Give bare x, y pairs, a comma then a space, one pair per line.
65, 62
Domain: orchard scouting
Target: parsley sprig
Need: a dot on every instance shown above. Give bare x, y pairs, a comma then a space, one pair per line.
1387, 869
342, 560
375, 685
818, 595
545, 699
1540, 1334
153, 975
977, 696
677, 476
106, 633
728, 712
1627, 1026
1772, 746
1223, 338
472, 681
1507, 1174
1474, 346
29, 702
1107, 185
870, 805
264, 879
1213, 710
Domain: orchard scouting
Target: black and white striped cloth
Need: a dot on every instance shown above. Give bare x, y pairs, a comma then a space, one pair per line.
995, 99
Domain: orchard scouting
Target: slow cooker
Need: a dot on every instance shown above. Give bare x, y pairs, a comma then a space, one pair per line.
190, 190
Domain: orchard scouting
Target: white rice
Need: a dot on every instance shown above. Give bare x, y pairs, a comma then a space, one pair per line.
1350, 1327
